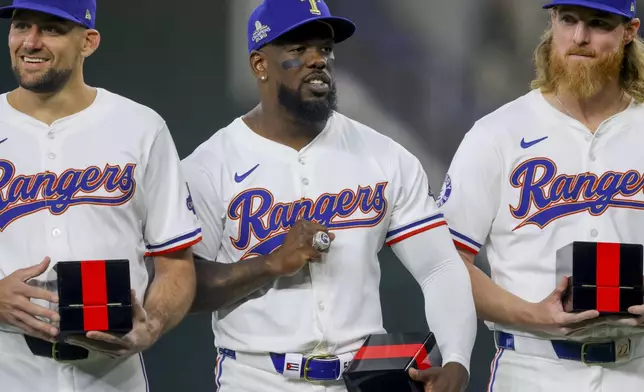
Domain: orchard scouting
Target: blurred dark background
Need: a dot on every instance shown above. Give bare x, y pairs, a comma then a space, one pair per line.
420, 71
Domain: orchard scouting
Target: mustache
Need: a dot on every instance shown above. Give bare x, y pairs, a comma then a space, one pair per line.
581, 52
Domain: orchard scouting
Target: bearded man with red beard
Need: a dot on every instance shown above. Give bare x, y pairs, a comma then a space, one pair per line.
558, 165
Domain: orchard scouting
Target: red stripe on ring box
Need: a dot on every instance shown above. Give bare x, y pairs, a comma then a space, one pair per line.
94, 286
96, 318
94, 281
608, 299
607, 264
392, 351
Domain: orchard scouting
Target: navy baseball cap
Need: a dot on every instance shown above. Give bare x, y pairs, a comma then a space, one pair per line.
620, 7
273, 18
79, 11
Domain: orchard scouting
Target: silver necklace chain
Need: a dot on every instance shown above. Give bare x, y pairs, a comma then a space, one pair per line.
570, 114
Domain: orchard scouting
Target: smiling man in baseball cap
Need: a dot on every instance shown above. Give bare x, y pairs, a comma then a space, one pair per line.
78, 139
65, 37
294, 296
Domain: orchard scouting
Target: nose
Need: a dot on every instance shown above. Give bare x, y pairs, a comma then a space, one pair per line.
318, 60
581, 36
33, 41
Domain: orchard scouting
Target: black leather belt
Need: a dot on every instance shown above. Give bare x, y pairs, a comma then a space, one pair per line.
58, 351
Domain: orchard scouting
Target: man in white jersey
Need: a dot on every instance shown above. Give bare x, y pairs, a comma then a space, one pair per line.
85, 174
292, 167
562, 163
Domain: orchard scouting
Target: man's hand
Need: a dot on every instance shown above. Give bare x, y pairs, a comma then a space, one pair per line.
637, 310
551, 317
16, 308
142, 336
297, 249
452, 377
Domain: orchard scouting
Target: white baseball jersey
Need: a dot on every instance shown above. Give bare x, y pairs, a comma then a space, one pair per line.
528, 180
366, 188
104, 183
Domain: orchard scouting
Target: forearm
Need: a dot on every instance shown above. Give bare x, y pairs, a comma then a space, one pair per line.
449, 307
450, 312
171, 292
495, 304
220, 284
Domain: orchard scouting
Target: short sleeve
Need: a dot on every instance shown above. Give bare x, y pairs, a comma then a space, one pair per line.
414, 210
209, 206
469, 198
170, 223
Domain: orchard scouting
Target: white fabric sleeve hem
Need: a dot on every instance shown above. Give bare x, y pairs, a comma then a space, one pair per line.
458, 359
433, 261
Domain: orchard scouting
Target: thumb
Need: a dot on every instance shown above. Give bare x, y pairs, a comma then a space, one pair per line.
33, 271
561, 287
422, 375
332, 236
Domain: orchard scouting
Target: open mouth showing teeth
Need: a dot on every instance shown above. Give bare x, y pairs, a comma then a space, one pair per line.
34, 60
318, 82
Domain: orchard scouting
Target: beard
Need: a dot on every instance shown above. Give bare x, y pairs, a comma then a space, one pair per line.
585, 78
53, 80
311, 112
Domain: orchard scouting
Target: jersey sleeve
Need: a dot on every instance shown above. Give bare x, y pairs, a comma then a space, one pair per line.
469, 197
414, 210
170, 223
209, 206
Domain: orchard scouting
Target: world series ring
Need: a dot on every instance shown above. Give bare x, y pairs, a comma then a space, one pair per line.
321, 241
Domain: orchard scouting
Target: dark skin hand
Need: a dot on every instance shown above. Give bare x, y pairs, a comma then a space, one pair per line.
220, 284
452, 377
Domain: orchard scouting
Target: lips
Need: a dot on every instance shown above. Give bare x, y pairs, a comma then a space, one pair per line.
33, 62
318, 83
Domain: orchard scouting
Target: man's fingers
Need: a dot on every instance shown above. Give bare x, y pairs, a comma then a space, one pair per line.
574, 318
36, 325
105, 337
37, 293
637, 309
631, 321
314, 255
108, 349
31, 331
37, 310
561, 287
422, 375
25, 274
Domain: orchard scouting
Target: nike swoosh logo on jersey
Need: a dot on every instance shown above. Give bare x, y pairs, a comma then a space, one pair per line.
525, 144
3, 140
241, 178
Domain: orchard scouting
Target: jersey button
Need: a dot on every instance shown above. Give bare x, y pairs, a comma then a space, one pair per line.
301, 161
594, 233
50, 135
592, 157
55, 232
305, 181
321, 305
588, 137
52, 155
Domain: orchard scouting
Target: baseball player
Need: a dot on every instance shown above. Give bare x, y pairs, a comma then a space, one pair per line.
296, 200
559, 164
85, 174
